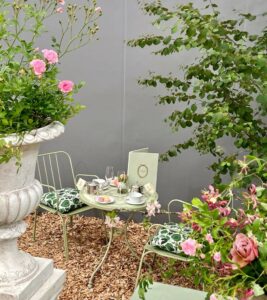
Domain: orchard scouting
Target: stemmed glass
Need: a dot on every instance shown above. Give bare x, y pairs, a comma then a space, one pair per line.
109, 175
121, 184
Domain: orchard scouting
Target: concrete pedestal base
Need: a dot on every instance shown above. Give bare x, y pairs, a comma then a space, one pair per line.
45, 285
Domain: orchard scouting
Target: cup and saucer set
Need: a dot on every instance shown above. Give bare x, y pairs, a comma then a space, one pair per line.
135, 198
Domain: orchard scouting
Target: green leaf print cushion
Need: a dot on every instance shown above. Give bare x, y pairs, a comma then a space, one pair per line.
68, 200
170, 237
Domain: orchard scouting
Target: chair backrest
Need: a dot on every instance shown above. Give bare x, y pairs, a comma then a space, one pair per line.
178, 207
53, 168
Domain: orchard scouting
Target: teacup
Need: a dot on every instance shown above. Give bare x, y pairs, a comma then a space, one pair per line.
135, 197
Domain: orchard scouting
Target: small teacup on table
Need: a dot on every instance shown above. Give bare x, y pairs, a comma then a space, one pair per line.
135, 198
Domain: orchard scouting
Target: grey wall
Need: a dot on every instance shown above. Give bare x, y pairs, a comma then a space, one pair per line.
122, 116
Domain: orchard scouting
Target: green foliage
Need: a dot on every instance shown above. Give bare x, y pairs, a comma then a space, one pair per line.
219, 88
29, 101
144, 284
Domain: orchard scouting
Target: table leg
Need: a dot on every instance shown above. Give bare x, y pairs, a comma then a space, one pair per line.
90, 284
129, 245
104, 225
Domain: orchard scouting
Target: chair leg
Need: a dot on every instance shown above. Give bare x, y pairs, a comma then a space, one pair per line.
65, 236
71, 220
154, 259
140, 267
34, 225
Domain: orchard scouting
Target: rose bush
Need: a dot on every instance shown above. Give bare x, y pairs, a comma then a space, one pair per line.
31, 94
228, 245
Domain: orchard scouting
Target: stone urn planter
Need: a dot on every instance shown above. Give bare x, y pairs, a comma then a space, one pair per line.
20, 194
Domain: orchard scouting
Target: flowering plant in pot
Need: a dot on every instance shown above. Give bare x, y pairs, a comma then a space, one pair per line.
228, 245
32, 93
35, 102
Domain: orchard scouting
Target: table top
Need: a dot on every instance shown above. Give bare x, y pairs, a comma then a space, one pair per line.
120, 203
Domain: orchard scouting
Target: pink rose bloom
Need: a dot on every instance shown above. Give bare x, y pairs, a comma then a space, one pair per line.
189, 247
224, 211
62, 2
225, 269
232, 223
217, 256
202, 256
213, 297
244, 250
209, 238
38, 66
185, 216
196, 227
66, 86
253, 189
51, 56
247, 294
60, 10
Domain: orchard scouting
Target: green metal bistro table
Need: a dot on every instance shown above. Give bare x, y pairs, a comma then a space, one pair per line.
120, 205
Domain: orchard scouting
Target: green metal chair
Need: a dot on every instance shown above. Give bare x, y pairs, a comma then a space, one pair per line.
50, 167
150, 249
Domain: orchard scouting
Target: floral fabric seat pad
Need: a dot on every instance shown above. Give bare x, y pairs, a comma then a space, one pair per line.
68, 200
170, 237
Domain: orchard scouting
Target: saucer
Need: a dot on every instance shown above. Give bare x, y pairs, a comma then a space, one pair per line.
129, 201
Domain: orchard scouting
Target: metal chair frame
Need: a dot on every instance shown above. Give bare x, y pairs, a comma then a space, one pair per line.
148, 248
50, 183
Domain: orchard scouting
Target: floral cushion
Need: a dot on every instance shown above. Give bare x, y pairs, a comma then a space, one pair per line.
68, 200
170, 237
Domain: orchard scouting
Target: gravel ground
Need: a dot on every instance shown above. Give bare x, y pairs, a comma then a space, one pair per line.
116, 279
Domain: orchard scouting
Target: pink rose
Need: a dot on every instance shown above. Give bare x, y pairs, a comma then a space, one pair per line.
209, 238
62, 2
244, 250
217, 256
202, 256
247, 294
38, 66
224, 211
189, 247
51, 56
213, 297
60, 10
66, 86
196, 227
232, 223
225, 269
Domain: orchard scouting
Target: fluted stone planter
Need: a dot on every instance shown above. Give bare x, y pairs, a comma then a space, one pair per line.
20, 194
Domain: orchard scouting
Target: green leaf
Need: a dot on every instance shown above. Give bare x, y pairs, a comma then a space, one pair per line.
197, 202
174, 29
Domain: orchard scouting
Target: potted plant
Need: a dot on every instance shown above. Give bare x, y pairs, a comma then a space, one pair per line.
35, 102
228, 245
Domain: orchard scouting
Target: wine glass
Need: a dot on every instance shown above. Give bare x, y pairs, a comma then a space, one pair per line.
109, 175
